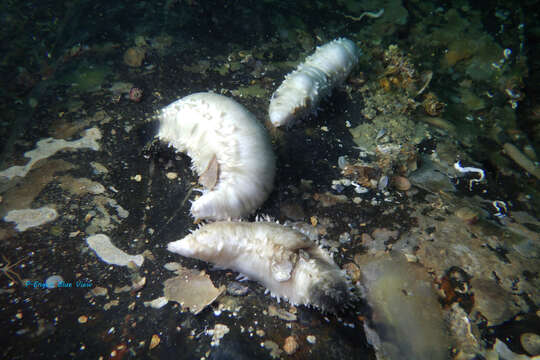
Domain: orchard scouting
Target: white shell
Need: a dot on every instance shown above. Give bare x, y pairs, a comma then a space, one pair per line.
302, 90
205, 125
284, 260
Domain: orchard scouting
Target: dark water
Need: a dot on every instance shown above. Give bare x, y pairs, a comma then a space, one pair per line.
70, 66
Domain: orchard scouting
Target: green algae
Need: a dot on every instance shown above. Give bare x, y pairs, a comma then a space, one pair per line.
251, 91
86, 77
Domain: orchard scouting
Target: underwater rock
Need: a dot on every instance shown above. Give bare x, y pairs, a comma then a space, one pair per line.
502, 352
531, 343
431, 177
406, 312
401, 183
134, 56
492, 301
528, 248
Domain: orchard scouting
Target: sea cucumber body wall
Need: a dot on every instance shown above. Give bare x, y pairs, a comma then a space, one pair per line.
225, 139
285, 261
314, 79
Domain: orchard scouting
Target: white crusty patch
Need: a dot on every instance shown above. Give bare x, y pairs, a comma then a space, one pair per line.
285, 261
210, 127
48, 147
314, 79
29, 218
109, 253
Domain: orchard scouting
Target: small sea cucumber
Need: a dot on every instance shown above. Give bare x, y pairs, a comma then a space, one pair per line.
230, 151
285, 261
370, 14
314, 79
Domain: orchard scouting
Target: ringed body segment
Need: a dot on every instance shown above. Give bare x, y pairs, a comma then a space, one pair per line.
285, 261
314, 79
230, 151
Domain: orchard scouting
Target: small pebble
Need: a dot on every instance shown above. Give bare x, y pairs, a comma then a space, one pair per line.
345, 238
311, 339
154, 341
291, 345
411, 258
281, 313
353, 271
382, 183
89, 216
402, 183
339, 188
99, 291
52, 281
531, 343
342, 162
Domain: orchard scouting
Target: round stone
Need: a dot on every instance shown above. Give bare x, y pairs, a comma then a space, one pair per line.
531, 343
402, 183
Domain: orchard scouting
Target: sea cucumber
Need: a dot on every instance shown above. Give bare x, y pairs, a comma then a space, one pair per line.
230, 151
370, 14
521, 159
314, 79
468, 169
285, 261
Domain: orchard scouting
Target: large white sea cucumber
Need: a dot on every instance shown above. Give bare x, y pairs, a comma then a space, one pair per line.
230, 151
285, 261
314, 79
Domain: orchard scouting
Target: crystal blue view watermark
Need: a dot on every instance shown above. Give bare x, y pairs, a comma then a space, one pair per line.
59, 284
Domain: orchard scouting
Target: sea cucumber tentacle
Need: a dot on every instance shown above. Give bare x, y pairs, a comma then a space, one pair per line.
210, 127
314, 79
282, 259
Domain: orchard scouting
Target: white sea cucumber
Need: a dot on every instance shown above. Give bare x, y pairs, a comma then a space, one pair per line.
230, 151
285, 261
314, 79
